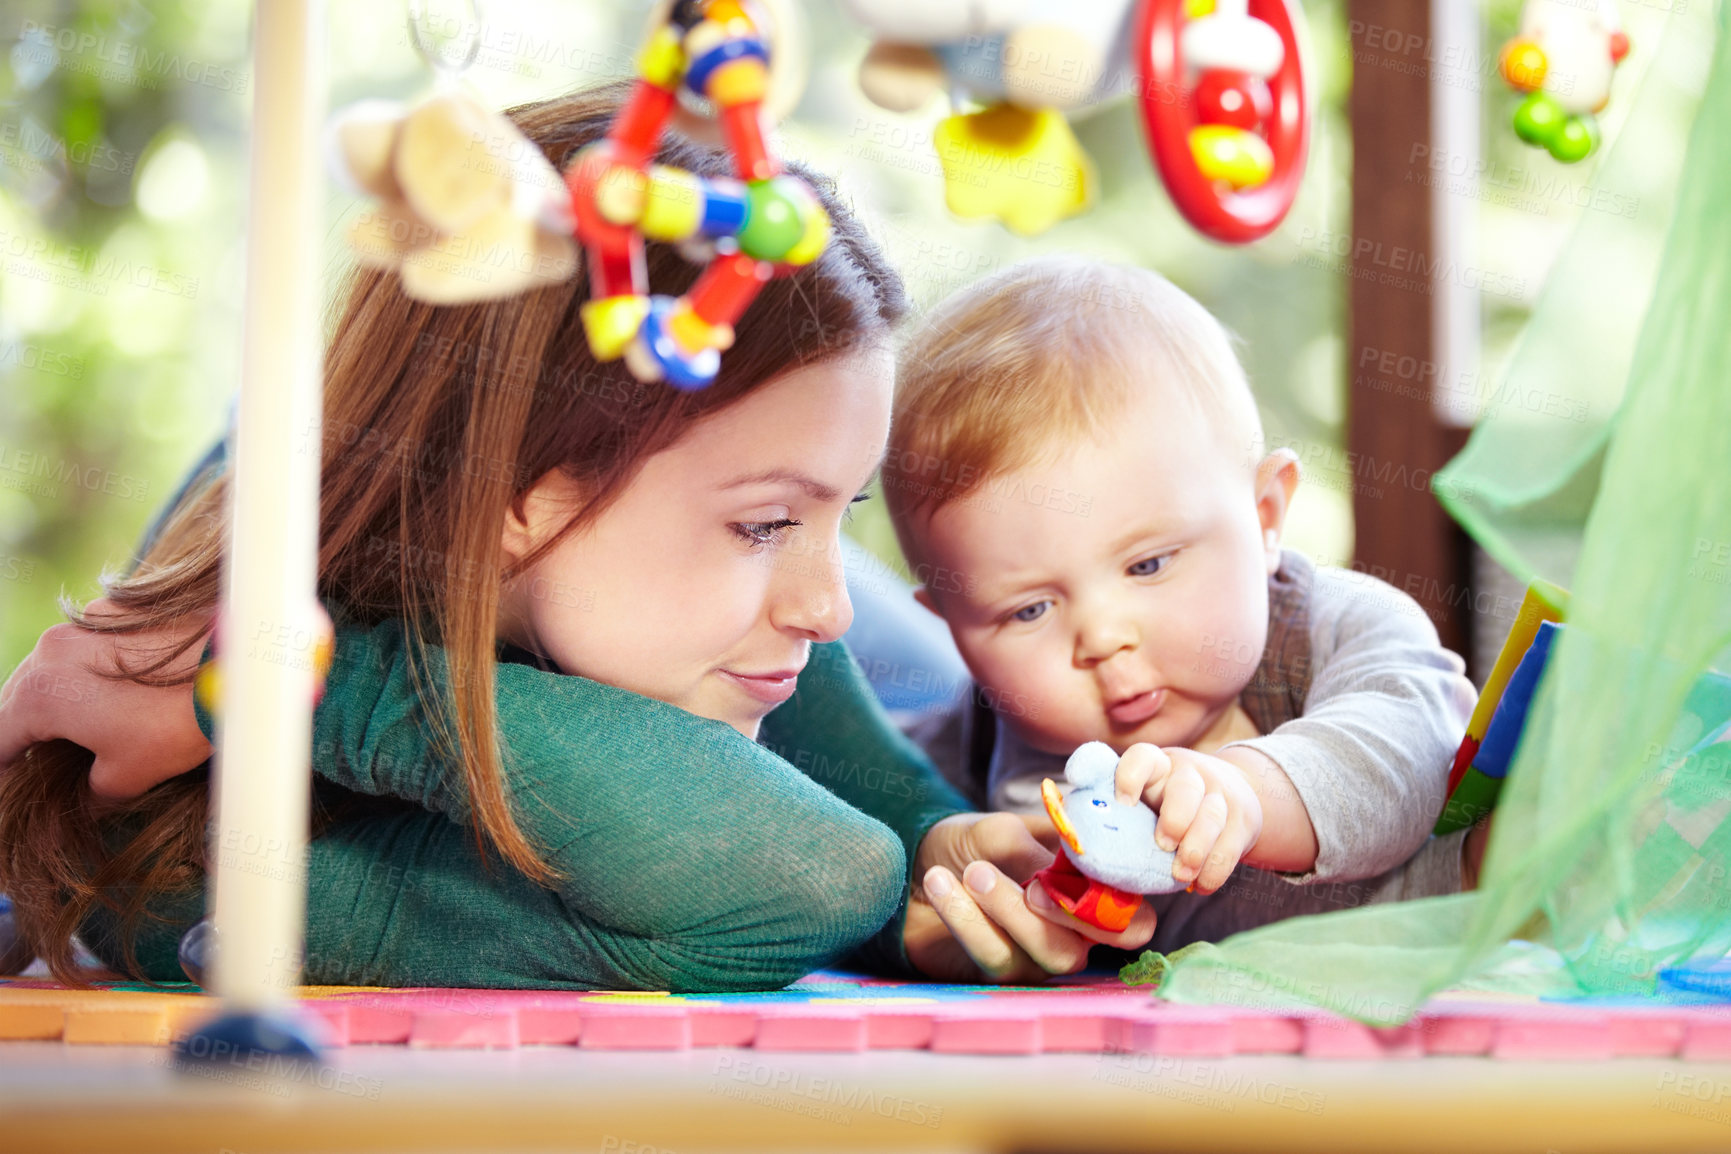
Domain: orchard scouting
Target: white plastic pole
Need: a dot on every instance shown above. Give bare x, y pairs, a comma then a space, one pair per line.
1456, 117
268, 622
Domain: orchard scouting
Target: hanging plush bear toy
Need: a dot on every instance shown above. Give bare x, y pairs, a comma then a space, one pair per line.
1108, 859
467, 209
1563, 58
1028, 63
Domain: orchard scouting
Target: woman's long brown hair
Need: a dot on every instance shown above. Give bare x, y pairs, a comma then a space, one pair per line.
436, 420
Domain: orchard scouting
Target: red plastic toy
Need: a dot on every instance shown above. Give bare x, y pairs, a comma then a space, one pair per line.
1251, 135
759, 225
1107, 907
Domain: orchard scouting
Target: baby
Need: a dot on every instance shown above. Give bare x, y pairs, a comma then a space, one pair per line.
1077, 477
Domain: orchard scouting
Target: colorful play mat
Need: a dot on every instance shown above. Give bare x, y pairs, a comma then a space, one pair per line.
843, 1012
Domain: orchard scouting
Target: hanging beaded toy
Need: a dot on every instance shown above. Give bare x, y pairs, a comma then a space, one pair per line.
760, 224
438, 211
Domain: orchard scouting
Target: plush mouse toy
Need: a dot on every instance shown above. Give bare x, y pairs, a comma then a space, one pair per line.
1108, 859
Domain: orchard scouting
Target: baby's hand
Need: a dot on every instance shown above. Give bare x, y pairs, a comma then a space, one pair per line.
1208, 810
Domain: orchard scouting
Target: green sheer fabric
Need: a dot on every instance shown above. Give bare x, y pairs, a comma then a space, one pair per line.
1611, 848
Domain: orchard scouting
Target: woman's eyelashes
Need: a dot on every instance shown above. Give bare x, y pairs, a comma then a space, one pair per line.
757, 533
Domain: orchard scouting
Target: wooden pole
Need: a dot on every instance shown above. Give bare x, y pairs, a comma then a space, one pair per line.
1394, 436
269, 615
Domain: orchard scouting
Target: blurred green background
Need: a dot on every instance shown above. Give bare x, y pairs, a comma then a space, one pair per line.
123, 136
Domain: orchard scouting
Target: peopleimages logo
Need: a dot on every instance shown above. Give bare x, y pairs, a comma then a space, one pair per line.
1399, 267
86, 269
23, 463
27, 138
18, 354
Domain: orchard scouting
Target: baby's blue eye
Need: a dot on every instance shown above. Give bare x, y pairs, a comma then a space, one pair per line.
1101, 802
1149, 566
1031, 612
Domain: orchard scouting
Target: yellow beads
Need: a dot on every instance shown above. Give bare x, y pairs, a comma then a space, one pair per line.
1234, 156
674, 207
726, 12
694, 333
811, 243
619, 195
663, 60
611, 322
1524, 64
739, 82
207, 687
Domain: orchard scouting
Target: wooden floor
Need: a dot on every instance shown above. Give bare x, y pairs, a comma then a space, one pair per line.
377, 1098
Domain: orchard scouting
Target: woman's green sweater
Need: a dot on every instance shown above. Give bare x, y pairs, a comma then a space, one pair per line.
690, 857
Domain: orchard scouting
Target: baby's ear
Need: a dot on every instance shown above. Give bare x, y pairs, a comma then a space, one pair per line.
1092, 764
924, 597
1276, 480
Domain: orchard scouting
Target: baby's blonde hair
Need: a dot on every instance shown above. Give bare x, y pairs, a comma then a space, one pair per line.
1018, 367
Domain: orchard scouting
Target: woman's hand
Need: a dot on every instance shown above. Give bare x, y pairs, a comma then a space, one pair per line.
970, 921
141, 734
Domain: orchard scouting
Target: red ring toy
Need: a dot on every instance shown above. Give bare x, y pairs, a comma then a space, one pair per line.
1232, 217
